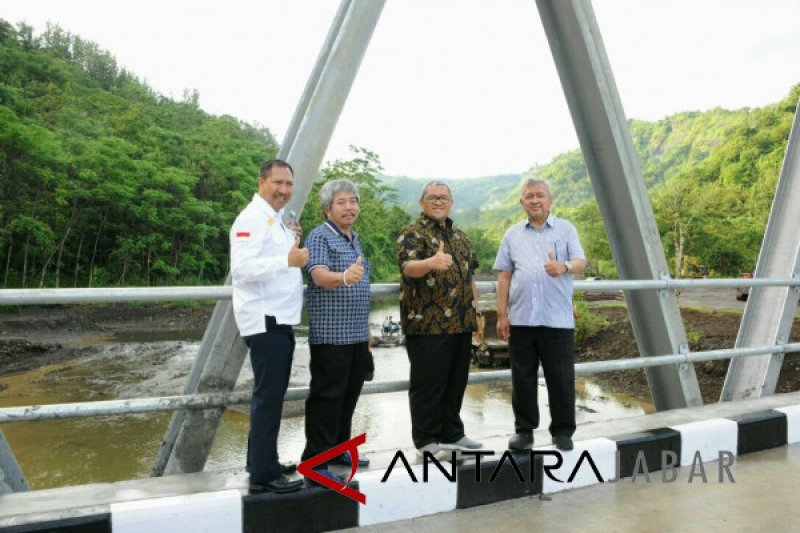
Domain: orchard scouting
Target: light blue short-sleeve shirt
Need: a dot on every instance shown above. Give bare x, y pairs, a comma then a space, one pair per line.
535, 298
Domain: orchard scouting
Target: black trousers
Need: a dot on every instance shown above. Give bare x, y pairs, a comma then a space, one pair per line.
553, 347
439, 371
337, 375
271, 356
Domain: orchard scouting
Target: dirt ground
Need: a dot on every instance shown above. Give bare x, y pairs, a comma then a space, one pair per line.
707, 330
34, 336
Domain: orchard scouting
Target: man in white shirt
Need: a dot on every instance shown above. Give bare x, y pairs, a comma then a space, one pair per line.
266, 259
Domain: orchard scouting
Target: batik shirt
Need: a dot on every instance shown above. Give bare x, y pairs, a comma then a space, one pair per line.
438, 302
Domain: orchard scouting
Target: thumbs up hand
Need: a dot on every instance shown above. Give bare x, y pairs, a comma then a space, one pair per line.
554, 268
441, 261
354, 272
298, 257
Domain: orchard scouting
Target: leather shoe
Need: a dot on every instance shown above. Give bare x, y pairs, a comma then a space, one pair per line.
326, 473
563, 443
279, 485
347, 460
286, 469
521, 442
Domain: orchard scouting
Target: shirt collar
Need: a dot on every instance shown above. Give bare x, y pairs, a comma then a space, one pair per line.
333, 227
264, 206
425, 220
548, 222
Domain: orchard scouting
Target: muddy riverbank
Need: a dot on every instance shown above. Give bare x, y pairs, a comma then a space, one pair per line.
706, 330
34, 336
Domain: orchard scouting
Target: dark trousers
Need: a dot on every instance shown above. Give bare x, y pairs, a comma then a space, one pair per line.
271, 357
553, 347
337, 375
439, 371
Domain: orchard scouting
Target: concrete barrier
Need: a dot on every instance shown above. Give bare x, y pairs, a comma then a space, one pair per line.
218, 502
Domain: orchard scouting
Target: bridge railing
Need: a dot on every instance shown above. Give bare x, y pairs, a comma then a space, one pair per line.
172, 294
379, 290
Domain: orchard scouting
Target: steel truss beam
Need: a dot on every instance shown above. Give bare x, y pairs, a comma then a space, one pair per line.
188, 440
769, 312
607, 148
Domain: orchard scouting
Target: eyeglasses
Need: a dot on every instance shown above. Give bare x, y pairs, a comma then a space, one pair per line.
433, 199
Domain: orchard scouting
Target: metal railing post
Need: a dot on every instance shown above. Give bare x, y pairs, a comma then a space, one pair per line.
11, 477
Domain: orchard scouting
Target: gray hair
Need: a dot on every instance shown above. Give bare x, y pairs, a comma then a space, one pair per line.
331, 188
433, 183
533, 182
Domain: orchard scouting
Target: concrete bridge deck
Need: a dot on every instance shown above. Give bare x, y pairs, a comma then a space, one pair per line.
217, 501
763, 498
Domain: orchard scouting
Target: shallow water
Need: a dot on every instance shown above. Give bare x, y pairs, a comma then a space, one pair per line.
112, 448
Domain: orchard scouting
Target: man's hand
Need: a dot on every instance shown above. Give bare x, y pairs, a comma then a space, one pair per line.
298, 230
554, 268
354, 272
298, 257
503, 328
441, 261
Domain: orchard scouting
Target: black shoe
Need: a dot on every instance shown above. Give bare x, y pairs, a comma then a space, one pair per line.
286, 469
521, 442
280, 485
328, 474
563, 443
347, 460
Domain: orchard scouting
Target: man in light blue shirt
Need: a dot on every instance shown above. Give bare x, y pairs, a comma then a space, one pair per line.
536, 262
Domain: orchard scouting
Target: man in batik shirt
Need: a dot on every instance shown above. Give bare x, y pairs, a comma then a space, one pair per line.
438, 304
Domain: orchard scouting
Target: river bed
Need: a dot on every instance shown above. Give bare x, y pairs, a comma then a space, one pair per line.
139, 364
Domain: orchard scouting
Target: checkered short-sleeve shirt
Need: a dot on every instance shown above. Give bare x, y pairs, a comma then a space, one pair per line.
339, 315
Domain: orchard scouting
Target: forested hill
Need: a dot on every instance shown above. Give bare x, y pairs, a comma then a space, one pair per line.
711, 177
105, 181
471, 195
665, 148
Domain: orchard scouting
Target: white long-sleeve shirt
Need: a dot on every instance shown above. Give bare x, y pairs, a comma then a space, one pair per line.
263, 282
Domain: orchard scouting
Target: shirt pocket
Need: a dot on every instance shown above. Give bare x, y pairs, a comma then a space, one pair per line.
560, 249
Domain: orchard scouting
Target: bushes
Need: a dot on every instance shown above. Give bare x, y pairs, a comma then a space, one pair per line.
587, 322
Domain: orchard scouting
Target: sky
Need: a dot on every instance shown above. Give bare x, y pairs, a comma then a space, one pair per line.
448, 88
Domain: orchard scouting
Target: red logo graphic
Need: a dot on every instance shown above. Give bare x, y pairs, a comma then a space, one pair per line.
306, 468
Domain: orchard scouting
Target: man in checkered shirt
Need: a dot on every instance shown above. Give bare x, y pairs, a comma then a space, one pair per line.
338, 313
